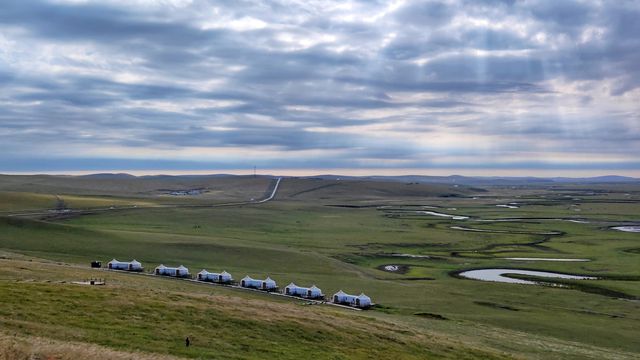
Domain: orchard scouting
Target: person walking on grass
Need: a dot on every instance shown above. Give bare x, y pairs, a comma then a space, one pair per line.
187, 342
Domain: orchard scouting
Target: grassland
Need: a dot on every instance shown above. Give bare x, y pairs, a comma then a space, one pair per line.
337, 235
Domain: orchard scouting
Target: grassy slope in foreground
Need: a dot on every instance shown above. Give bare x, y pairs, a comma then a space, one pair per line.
153, 315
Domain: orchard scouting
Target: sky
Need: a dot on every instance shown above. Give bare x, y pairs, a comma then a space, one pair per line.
367, 87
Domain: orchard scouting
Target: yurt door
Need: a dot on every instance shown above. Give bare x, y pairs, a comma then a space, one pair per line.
335, 299
309, 293
357, 302
177, 272
243, 284
110, 266
264, 284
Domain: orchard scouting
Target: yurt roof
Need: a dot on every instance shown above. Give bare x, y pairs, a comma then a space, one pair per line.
182, 267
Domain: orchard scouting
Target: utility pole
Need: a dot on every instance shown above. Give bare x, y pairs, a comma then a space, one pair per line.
254, 171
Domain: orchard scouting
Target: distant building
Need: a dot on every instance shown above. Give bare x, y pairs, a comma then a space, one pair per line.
125, 265
312, 292
266, 284
179, 271
223, 277
361, 301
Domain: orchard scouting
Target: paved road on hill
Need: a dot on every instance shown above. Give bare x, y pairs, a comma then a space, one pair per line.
273, 193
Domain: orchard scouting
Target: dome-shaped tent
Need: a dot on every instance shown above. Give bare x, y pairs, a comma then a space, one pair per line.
293, 289
269, 284
312, 292
124, 265
363, 301
249, 282
266, 284
159, 270
135, 265
179, 271
223, 277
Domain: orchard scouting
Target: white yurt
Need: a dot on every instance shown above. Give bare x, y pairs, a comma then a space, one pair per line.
124, 265
223, 277
116, 265
269, 284
363, 301
266, 284
179, 271
249, 282
159, 270
182, 271
343, 298
295, 290
312, 292
203, 275
135, 265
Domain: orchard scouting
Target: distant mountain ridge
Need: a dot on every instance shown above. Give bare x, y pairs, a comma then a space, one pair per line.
423, 179
487, 180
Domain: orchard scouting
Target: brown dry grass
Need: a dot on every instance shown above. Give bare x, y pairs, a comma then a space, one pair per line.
14, 347
267, 313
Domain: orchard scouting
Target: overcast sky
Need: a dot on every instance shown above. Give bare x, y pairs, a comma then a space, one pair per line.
518, 87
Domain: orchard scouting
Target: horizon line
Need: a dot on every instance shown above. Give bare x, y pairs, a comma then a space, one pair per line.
521, 173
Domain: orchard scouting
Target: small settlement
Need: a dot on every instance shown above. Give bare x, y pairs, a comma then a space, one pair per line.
312, 292
222, 278
361, 301
132, 265
267, 284
180, 271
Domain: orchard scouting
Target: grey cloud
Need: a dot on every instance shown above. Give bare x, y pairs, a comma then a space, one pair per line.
345, 72
424, 13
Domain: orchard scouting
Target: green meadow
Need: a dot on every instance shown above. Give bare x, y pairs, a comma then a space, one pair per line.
337, 235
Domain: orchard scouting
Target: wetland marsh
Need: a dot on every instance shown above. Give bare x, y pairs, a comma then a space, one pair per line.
346, 235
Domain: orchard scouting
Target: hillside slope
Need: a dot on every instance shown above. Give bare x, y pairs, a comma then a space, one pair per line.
149, 315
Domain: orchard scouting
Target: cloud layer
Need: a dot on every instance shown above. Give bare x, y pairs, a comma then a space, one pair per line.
318, 84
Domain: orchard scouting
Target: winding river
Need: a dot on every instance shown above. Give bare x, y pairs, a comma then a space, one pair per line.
629, 228
454, 217
545, 259
498, 275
